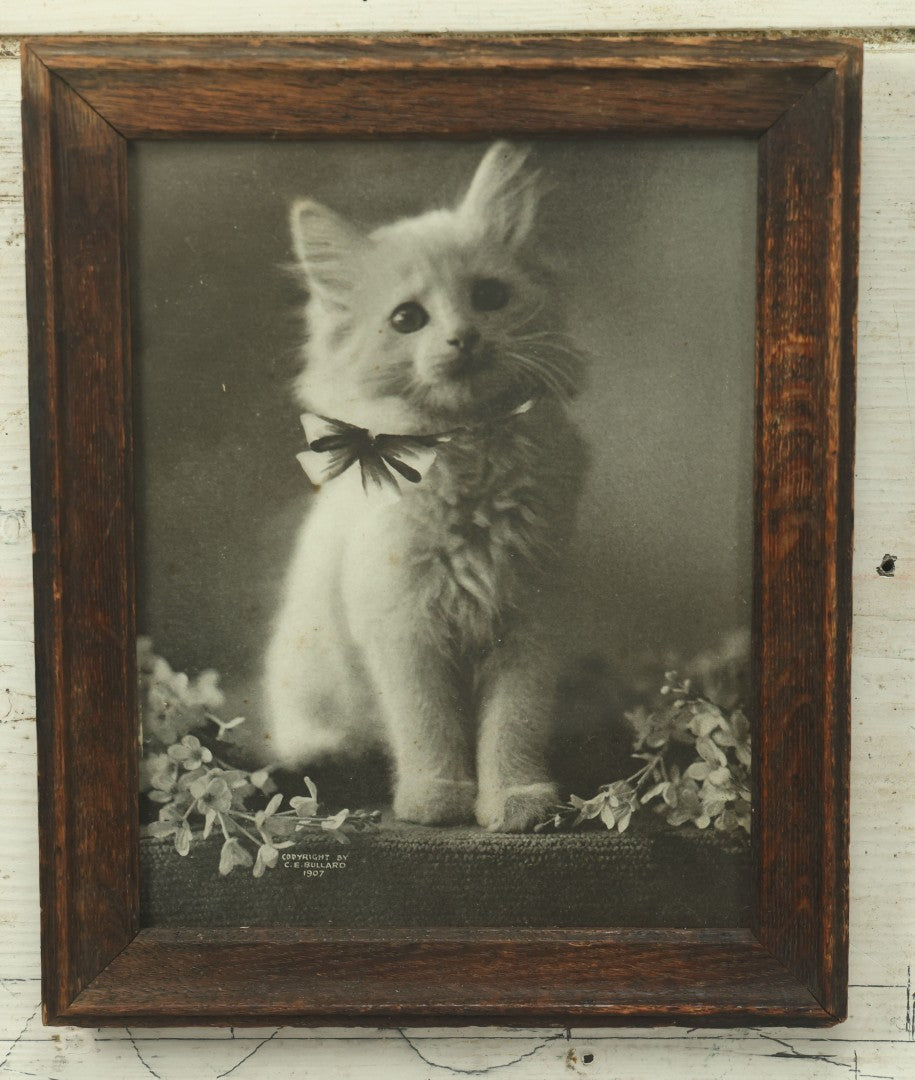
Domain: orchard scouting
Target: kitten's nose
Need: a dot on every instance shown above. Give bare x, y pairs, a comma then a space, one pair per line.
465, 340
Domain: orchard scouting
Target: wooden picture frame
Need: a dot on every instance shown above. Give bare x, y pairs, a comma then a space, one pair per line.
84, 100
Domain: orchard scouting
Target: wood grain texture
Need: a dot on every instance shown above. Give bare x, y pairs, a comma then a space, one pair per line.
75, 199
435, 86
795, 971
807, 294
392, 978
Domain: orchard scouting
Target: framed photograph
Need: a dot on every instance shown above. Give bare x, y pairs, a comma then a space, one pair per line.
442, 472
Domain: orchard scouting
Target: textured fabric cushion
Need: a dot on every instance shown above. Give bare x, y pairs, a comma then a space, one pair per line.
408, 875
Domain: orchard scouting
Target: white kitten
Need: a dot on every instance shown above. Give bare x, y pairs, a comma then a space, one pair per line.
427, 624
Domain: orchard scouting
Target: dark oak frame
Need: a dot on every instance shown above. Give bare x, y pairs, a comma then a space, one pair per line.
84, 99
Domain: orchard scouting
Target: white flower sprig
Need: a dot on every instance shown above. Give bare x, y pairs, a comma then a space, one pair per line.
197, 792
713, 789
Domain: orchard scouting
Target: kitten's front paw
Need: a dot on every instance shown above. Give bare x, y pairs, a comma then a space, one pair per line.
518, 808
435, 802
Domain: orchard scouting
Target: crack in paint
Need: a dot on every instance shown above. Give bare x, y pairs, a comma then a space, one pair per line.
140, 1057
250, 1055
18, 1038
486, 1069
792, 1053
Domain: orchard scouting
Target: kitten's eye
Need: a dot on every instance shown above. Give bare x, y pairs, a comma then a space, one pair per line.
489, 294
409, 317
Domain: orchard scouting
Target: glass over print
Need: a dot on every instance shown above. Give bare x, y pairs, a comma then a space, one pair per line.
444, 496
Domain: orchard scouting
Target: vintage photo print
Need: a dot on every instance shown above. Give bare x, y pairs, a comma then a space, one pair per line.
444, 530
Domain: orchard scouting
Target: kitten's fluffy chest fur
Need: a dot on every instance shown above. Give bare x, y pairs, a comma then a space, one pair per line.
483, 528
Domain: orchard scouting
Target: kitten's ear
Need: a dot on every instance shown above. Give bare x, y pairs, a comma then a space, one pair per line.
503, 195
328, 248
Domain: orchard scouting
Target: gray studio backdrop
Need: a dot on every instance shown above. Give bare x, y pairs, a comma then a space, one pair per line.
658, 236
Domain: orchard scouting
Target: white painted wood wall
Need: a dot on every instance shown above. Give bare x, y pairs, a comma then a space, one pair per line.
879, 1038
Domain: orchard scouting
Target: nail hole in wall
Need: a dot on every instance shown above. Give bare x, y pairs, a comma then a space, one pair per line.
887, 567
